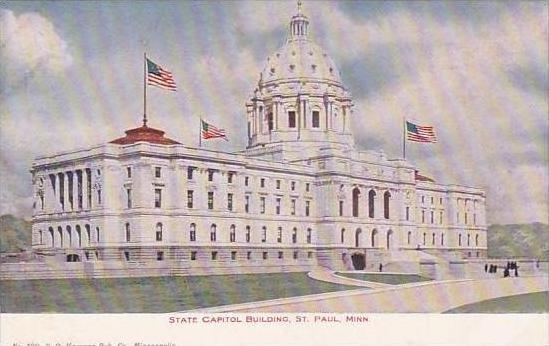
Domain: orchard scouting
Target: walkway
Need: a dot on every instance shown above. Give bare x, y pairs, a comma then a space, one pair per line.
330, 276
423, 297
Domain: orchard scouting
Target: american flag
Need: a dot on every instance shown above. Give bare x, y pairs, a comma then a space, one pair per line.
159, 77
420, 133
209, 131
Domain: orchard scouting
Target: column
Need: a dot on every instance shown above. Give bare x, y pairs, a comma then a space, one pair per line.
66, 190
276, 115
85, 203
58, 192
74, 190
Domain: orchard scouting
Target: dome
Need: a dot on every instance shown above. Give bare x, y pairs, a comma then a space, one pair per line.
300, 59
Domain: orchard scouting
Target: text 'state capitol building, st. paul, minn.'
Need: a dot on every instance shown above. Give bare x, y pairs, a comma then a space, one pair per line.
300, 195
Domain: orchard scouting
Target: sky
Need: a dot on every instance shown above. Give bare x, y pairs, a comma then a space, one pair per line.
71, 76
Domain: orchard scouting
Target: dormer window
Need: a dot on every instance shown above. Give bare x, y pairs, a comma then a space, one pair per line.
292, 67
272, 70
157, 172
313, 67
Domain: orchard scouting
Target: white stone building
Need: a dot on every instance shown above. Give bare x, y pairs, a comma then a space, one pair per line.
300, 194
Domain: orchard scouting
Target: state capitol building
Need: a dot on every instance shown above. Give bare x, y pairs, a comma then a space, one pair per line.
301, 194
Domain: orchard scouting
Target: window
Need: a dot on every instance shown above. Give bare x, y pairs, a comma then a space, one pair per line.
232, 234
159, 232
371, 201
262, 182
280, 255
342, 235
279, 236
233, 255
466, 218
247, 204
292, 185
409, 237
278, 184
442, 239
265, 255
476, 240
129, 172
293, 206
98, 196
407, 213
246, 181
295, 255
190, 171
128, 198
126, 255
423, 216
316, 119
459, 240
230, 201
210, 200
210, 174
230, 177
249, 255
432, 200
307, 208
158, 198
440, 218
468, 239
160, 255
340, 208
264, 234
309, 254
432, 216
424, 238
433, 240
157, 172
193, 255
270, 121
307, 187
386, 204
291, 119
422, 199
128, 233
294, 235
457, 217
213, 232
277, 211
214, 255
356, 195
248, 234
262, 205
96, 232
440, 201
309, 235
192, 232
190, 203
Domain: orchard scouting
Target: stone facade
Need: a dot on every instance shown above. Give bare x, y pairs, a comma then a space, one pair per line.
301, 193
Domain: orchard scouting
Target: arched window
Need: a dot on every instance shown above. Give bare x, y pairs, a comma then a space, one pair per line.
264, 234
294, 235
128, 232
373, 240
342, 235
60, 231
213, 232
97, 233
459, 240
442, 239
232, 234
356, 196
159, 231
51, 236
424, 238
389, 234
248, 234
476, 240
371, 200
69, 236
88, 234
386, 199
309, 235
357, 237
192, 232
409, 237
79, 235
433, 240
468, 239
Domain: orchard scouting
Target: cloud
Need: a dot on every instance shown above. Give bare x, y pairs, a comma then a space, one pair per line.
29, 43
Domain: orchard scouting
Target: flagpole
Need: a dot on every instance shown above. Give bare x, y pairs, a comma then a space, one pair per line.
145, 89
200, 133
404, 137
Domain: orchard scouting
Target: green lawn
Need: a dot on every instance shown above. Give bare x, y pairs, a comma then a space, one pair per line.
523, 303
391, 279
153, 294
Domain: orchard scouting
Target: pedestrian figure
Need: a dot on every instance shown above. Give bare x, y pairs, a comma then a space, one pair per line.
508, 265
506, 272
516, 271
380, 267
495, 268
486, 268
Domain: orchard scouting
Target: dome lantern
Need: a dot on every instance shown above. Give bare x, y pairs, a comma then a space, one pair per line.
299, 25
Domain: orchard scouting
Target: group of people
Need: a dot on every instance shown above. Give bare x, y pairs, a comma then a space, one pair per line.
493, 268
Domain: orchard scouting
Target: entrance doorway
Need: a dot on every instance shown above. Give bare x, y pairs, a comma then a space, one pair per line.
359, 261
73, 258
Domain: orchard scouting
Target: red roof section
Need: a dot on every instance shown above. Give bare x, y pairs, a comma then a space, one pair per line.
144, 134
420, 177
